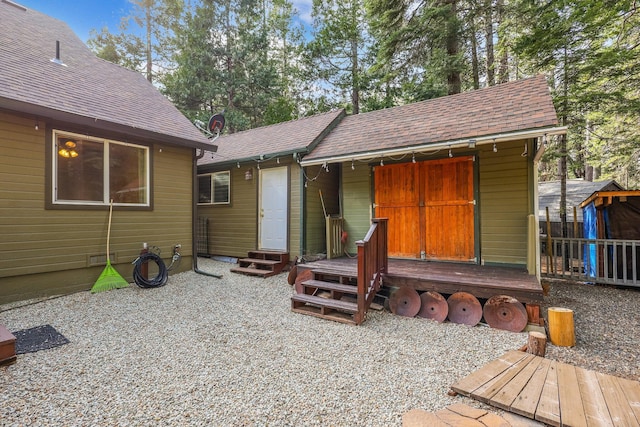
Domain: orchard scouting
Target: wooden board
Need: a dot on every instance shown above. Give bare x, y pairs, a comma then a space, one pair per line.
571, 408
526, 402
504, 398
548, 408
494, 368
631, 391
487, 392
595, 407
617, 403
554, 393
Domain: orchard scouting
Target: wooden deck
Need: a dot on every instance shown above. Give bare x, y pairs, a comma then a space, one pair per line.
448, 278
554, 393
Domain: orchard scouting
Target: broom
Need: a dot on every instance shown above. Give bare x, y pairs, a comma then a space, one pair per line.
110, 278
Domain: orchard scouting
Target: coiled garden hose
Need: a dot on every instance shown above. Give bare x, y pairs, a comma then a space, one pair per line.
160, 279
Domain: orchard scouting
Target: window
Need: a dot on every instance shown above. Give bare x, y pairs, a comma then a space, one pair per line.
213, 188
92, 171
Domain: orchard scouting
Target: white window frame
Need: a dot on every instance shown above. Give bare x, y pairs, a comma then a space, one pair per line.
106, 174
212, 189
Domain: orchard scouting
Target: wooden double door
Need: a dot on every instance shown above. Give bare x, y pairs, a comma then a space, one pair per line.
430, 206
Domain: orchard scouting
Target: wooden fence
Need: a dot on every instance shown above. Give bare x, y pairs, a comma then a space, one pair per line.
601, 261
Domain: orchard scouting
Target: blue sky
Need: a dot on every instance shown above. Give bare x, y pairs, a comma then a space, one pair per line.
82, 16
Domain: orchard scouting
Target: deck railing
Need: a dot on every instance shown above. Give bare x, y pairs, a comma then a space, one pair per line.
334, 227
372, 263
602, 261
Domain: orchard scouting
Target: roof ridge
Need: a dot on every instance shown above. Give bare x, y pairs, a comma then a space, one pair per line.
335, 111
449, 98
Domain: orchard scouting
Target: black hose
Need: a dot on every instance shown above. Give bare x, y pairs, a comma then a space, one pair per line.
160, 279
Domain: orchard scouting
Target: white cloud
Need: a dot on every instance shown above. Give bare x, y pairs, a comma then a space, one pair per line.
304, 10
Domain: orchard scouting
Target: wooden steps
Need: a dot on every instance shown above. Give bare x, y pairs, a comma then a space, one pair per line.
7, 346
324, 298
262, 263
331, 286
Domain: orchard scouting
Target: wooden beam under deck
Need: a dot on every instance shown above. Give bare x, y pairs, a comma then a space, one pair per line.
448, 278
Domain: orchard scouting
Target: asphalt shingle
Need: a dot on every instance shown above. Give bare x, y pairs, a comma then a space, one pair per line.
509, 107
85, 87
288, 137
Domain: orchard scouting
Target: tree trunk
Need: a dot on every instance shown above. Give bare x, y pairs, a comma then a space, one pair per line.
453, 70
537, 344
475, 68
149, 56
488, 33
562, 168
503, 72
561, 327
355, 81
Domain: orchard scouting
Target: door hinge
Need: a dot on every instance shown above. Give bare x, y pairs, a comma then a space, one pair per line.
472, 202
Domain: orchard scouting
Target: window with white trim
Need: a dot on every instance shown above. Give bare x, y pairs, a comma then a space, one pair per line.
214, 188
93, 171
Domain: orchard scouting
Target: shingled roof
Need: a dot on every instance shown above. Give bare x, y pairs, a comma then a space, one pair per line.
81, 88
578, 191
281, 139
499, 111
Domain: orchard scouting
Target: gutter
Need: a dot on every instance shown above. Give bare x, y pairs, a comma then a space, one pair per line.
94, 126
456, 143
296, 153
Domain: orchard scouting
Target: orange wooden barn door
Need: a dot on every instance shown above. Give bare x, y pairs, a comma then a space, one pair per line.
449, 208
430, 207
397, 196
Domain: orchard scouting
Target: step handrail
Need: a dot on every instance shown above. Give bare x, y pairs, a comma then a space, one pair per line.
372, 264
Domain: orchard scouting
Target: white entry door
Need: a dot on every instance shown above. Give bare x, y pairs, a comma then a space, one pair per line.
273, 213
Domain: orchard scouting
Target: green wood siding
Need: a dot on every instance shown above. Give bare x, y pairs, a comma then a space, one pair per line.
295, 211
53, 251
356, 202
327, 182
504, 182
233, 228
504, 201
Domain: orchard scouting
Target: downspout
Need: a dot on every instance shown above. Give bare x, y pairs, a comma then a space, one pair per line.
194, 216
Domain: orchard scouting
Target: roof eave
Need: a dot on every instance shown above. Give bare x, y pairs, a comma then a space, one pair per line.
456, 143
296, 153
38, 111
610, 194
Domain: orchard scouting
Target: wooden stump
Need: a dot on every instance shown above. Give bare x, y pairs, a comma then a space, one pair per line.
561, 327
537, 344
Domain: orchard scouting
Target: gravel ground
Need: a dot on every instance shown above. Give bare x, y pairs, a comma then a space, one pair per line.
229, 352
607, 327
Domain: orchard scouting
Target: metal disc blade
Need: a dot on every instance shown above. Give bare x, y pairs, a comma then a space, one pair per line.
433, 306
505, 312
464, 308
405, 302
293, 273
302, 276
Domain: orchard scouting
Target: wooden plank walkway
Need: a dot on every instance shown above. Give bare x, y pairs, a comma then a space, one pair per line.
461, 415
554, 393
